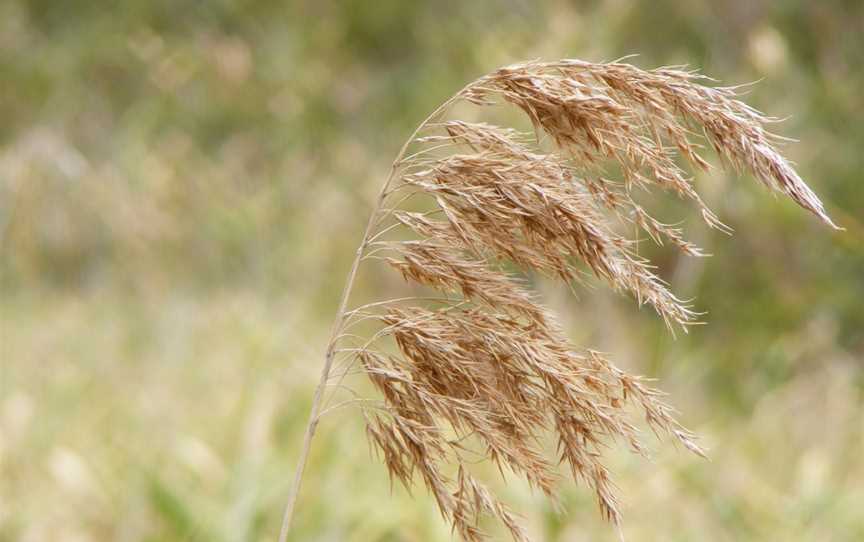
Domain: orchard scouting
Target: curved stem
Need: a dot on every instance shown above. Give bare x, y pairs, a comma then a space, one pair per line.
315, 411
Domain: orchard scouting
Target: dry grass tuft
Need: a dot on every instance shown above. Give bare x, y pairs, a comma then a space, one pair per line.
485, 369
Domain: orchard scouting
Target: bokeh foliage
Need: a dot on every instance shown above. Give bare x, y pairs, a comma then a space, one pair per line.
182, 185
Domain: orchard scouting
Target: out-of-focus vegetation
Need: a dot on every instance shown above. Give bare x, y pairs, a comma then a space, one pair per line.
182, 185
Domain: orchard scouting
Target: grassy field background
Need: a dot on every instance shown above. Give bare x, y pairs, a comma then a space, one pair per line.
183, 184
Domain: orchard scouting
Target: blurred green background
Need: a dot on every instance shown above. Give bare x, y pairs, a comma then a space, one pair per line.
183, 184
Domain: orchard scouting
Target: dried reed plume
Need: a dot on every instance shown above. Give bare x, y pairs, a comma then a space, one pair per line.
484, 368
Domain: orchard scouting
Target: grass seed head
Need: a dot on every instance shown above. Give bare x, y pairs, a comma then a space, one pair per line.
488, 365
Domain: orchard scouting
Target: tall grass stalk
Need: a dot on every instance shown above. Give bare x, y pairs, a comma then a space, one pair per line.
485, 368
